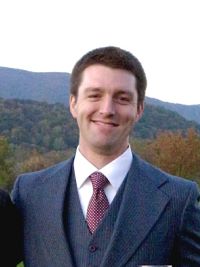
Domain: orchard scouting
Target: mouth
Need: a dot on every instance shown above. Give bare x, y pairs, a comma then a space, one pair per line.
105, 123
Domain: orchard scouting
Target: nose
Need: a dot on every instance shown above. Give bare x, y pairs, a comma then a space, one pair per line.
107, 106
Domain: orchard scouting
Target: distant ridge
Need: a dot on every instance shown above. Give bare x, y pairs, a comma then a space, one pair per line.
190, 112
53, 87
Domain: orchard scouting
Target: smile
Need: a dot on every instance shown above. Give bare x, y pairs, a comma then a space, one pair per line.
106, 123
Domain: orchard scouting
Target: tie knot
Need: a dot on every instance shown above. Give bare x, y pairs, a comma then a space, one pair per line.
98, 180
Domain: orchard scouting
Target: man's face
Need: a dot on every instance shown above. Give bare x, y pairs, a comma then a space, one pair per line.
105, 109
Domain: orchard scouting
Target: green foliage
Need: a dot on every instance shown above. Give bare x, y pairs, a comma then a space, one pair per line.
51, 127
156, 119
189, 112
5, 164
20, 264
36, 124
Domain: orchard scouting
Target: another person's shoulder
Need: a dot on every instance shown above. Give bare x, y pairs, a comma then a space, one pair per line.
4, 194
10, 243
4, 198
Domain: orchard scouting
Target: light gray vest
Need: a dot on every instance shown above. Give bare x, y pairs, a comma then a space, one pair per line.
86, 249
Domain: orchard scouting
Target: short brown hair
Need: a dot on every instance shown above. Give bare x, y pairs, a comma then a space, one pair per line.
113, 57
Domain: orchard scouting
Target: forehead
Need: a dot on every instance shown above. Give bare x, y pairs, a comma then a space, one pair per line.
100, 76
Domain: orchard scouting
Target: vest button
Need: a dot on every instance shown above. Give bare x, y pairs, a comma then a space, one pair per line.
92, 248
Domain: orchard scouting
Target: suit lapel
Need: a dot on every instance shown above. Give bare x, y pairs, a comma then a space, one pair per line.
53, 202
142, 204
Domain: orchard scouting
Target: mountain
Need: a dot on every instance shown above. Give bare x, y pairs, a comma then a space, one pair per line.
190, 112
156, 119
53, 87
51, 127
37, 124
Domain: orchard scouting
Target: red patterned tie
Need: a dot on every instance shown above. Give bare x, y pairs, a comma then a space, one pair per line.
98, 202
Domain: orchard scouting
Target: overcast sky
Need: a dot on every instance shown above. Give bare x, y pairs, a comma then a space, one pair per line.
51, 35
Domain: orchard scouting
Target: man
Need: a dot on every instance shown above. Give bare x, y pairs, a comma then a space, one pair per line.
9, 232
106, 206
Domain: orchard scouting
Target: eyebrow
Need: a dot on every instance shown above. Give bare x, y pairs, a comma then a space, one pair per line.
93, 89
123, 92
97, 89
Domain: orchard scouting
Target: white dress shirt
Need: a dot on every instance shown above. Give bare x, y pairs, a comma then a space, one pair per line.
115, 172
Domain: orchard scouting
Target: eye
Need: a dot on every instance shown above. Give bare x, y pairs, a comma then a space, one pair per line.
94, 97
123, 99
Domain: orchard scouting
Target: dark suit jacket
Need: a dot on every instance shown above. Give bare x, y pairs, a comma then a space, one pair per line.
9, 232
158, 221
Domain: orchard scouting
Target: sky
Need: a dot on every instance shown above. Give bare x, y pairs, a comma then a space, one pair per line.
51, 35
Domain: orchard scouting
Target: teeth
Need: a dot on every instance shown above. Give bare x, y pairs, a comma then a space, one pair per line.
105, 122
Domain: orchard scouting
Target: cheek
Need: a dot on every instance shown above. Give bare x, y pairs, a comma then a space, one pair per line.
87, 110
130, 116
84, 113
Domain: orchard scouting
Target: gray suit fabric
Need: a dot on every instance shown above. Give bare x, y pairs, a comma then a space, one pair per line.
158, 222
86, 249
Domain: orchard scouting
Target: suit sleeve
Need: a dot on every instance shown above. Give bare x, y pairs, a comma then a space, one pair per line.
190, 230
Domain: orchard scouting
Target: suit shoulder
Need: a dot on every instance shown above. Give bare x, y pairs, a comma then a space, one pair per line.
43, 174
159, 176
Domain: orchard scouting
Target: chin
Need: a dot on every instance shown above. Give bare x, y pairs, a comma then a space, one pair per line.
106, 148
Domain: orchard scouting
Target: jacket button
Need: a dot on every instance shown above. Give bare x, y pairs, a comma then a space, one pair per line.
92, 248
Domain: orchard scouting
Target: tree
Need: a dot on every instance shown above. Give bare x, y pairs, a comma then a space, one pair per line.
176, 153
5, 165
37, 161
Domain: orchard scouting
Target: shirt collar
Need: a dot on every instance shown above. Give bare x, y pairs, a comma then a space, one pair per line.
115, 171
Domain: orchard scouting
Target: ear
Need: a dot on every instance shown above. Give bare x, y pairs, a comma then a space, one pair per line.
140, 111
72, 106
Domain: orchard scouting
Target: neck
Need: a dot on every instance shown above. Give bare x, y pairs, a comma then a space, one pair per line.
100, 158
